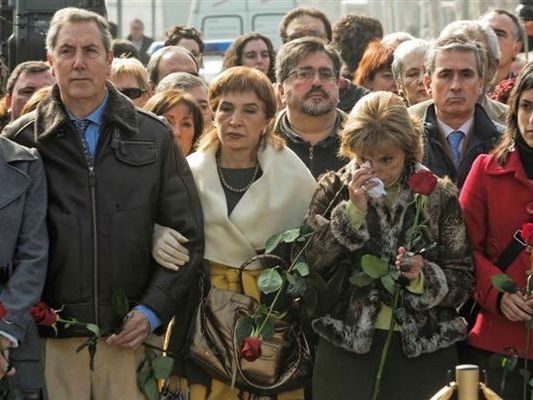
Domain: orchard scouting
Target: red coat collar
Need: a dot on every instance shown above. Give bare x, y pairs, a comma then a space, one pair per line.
512, 166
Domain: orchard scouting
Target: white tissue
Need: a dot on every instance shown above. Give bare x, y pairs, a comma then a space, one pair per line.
378, 190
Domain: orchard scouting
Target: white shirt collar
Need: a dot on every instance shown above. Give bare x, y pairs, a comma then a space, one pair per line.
465, 128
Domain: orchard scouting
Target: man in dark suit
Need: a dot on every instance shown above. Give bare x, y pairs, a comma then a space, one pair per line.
456, 130
141, 42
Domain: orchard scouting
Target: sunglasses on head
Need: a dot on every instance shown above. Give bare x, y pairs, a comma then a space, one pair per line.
132, 93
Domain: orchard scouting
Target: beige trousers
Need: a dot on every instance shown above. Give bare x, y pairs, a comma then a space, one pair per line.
68, 376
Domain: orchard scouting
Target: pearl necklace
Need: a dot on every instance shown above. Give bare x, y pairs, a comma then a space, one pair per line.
231, 188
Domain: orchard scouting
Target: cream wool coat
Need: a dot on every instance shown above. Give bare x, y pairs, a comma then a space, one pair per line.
275, 202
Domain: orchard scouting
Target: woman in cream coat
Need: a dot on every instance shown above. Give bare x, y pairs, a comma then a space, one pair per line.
251, 187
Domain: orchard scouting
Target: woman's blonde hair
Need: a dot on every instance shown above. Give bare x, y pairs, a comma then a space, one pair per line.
381, 118
241, 80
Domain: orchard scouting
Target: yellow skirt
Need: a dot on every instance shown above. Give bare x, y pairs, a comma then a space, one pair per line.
227, 278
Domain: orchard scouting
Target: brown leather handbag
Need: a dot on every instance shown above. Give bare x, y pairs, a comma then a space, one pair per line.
285, 360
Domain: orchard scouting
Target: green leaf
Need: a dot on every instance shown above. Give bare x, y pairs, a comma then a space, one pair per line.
297, 287
144, 372
290, 278
150, 389
291, 235
243, 328
389, 283
94, 329
269, 280
361, 279
268, 329
503, 283
373, 266
120, 302
162, 367
302, 268
272, 243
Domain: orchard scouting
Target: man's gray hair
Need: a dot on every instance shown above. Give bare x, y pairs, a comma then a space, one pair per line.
180, 80
455, 43
478, 31
153, 64
75, 15
404, 50
291, 53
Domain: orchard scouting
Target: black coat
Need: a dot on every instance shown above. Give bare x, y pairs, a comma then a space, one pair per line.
437, 157
100, 226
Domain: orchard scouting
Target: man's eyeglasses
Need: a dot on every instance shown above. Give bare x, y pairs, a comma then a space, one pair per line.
308, 74
132, 93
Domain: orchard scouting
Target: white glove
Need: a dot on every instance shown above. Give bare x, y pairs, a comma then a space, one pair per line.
167, 248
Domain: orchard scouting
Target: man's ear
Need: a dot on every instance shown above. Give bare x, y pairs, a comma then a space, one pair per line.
427, 84
8, 99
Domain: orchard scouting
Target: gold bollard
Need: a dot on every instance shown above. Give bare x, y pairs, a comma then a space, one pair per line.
467, 379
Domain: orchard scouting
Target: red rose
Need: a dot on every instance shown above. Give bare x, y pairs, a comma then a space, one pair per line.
422, 182
2, 311
43, 314
251, 348
527, 233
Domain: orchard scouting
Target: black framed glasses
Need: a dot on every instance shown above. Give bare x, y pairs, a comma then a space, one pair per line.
132, 93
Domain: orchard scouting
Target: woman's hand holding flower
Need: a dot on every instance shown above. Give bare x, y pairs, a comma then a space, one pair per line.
359, 186
410, 265
516, 306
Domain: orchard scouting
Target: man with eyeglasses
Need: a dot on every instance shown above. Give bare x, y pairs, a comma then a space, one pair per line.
307, 72
24, 81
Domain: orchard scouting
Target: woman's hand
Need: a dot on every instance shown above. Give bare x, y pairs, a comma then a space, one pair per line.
516, 306
409, 265
359, 186
167, 248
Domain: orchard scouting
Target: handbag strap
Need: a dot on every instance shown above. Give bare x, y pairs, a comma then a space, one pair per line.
303, 346
511, 251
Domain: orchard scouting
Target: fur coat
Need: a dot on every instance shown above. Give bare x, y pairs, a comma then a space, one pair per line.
430, 321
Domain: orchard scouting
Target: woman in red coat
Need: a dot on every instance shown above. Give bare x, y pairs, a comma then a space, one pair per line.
497, 199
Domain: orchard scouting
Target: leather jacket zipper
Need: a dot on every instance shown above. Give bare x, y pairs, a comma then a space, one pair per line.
92, 188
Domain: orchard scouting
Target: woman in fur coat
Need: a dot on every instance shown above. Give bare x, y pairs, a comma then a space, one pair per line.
352, 218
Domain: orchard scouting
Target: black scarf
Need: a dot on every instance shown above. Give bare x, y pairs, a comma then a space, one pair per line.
526, 155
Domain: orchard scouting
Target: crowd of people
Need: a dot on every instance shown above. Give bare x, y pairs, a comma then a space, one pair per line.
123, 172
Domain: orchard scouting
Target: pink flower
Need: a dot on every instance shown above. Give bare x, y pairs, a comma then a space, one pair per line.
527, 233
251, 348
43, 314
422, 182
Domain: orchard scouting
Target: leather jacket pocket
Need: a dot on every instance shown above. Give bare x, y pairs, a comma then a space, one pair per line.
135, 152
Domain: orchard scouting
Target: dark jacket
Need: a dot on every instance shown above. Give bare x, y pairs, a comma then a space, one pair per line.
431, 321
23, 255
437, 157
145, 45
323, 156
349, 94
100, 224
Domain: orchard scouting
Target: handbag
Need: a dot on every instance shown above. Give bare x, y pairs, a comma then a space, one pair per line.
470, 308
286, 357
